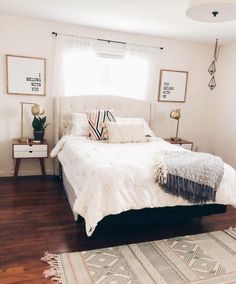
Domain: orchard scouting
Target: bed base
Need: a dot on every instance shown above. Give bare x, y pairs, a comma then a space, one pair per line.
71, 196
163, 215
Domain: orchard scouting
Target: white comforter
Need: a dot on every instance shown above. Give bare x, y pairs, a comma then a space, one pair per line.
112, 178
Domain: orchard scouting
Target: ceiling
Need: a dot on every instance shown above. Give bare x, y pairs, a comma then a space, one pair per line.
163, 18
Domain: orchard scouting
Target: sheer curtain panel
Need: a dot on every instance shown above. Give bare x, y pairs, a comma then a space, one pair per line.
86, 66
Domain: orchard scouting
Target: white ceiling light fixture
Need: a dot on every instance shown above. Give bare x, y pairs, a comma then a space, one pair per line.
212, 10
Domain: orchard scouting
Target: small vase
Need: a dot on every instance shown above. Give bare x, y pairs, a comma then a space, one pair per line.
38, 135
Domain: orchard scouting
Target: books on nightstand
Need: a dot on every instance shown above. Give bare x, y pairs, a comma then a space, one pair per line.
37, 141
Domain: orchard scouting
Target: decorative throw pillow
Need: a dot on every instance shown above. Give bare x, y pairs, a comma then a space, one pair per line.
96, 121
119, 132
79, 124
137, 120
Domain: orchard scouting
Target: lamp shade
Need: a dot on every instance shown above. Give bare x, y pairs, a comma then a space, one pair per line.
175, 114
37, 110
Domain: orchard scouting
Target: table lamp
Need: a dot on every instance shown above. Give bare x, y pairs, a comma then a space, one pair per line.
175, 114
35, 110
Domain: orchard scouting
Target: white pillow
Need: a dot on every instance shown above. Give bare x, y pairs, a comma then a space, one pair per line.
119, 132
137, 120
80, 126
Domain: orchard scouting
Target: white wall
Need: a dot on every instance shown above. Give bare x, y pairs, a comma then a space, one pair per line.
224, 138
31, 37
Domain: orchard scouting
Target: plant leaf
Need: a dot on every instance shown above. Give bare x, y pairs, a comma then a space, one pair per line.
38, 123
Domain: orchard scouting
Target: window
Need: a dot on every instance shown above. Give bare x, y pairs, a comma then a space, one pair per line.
90, 67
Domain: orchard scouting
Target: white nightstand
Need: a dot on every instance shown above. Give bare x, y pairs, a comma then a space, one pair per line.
29, 150
181, 143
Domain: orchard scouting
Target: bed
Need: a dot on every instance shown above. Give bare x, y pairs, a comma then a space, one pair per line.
97, 176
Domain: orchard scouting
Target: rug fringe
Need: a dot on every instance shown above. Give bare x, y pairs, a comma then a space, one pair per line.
232, 228
54, 272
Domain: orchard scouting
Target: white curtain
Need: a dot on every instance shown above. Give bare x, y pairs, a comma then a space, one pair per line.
65, 46
91, 67
149, 58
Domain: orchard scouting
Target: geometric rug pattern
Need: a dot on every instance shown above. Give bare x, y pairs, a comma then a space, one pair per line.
195, 257
208, 258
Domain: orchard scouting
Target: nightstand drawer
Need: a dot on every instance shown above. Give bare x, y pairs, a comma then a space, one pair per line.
30, 154
185, 146
26, 148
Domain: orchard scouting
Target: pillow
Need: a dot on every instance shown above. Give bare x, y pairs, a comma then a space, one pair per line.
80, 126
96, 121
137, 120
119, 132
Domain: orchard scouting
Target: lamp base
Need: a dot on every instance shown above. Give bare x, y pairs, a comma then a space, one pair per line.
175, 139
23, 139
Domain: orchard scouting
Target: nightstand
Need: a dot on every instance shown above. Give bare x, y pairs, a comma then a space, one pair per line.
181, 143
29, 150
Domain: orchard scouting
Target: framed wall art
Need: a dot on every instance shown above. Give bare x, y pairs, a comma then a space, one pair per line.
25, 75
172, 86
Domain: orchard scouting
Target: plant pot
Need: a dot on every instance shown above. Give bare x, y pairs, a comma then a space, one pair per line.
38, 135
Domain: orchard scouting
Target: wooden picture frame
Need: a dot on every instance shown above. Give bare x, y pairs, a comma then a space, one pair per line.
25, 75
172, 86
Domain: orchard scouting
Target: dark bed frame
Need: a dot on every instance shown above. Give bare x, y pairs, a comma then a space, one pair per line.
161, 215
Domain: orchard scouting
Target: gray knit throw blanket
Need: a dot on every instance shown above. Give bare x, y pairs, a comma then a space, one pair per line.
193, 176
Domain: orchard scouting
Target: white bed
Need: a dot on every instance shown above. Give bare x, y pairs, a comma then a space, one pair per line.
103, 179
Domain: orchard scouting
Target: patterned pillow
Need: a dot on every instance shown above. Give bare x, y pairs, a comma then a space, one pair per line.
96, 120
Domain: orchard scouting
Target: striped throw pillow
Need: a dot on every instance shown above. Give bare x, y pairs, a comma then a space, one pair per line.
96, 120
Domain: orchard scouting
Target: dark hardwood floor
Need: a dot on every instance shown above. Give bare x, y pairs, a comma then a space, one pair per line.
35, 217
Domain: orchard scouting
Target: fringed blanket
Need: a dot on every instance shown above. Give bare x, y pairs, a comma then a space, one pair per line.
193, 176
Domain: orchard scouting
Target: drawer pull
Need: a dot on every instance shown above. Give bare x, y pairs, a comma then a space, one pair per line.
30, 151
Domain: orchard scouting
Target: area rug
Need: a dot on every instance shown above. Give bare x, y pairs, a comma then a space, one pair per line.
208, 258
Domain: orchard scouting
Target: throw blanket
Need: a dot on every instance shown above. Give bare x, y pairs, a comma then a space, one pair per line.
191, 175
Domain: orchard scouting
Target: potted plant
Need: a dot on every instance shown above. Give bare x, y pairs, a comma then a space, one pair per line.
39, 125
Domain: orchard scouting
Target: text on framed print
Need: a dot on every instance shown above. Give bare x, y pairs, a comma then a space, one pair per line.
26, 75
172, 86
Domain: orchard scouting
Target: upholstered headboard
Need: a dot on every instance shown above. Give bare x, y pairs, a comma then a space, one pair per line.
124, 107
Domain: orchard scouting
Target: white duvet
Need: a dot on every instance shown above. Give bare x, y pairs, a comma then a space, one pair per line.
112, 178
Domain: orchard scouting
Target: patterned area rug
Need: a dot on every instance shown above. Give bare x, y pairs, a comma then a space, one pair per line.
208, 258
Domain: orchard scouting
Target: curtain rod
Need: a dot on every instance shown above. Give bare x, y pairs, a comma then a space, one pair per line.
108, 40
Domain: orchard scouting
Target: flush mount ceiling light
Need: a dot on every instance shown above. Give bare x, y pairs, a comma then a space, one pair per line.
212, 10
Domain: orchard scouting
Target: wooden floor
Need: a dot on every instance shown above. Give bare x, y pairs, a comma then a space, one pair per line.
35, 217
